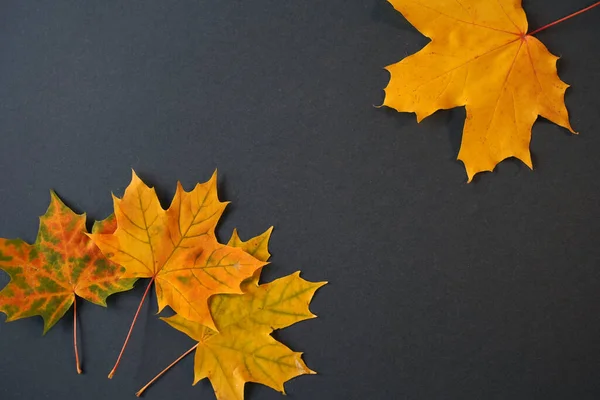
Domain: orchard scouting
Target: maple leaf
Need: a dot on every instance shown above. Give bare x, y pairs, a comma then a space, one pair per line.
63, 263
481, 57
243, 349
176, 248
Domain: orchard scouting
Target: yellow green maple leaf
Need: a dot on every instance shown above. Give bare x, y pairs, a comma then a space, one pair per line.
243, 349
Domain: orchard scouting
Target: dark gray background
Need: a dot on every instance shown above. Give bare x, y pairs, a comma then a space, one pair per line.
438, 289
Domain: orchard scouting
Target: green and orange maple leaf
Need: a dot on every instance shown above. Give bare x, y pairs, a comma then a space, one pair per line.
176, 248
481, 56
63, 263
243, 350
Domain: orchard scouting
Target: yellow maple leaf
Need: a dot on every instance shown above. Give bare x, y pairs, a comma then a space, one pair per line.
243, 349
481, 57
176, 248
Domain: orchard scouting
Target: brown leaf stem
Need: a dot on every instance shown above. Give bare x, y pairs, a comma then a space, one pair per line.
139, 392
112, 372
75, 335
564, 19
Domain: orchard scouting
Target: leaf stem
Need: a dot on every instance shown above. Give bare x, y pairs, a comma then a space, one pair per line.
564, 19
112, 372
139, 393
75, 334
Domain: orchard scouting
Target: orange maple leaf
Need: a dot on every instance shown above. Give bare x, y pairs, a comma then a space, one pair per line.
176, 248
481, 57
63, 262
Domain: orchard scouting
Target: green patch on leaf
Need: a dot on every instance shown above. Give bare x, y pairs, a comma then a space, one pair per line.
47, 285
4, 257
184, 279
45, 235
10, 309
33, 254
17, 243
99, 291
53, 257
79, 264
104, 266
37, 305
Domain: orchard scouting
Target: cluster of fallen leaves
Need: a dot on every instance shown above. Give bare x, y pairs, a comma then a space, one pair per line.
481, 56
212, 287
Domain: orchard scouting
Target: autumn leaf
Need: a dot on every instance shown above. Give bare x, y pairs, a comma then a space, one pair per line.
243, 349
481, 57
176, 248
63, 263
